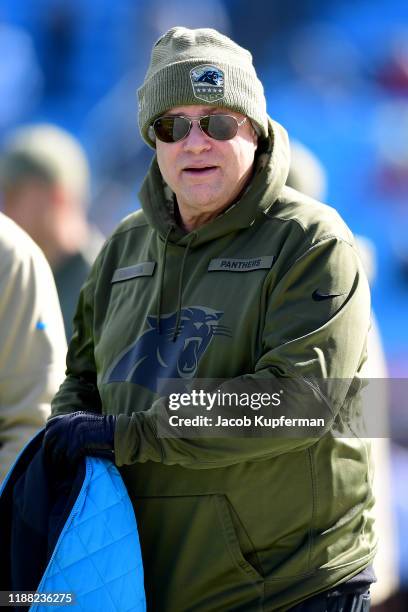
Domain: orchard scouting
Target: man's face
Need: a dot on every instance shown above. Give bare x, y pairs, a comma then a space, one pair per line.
30, 205
207, 175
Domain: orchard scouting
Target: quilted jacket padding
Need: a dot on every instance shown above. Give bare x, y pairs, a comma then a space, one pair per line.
95, 548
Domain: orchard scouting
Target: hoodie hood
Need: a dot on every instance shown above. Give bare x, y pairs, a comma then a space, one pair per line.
271, 172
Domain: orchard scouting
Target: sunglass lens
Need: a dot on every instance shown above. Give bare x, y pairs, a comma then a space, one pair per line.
171, 129
221, 127
181, 128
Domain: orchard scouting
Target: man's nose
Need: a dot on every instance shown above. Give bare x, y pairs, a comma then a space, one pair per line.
197, 141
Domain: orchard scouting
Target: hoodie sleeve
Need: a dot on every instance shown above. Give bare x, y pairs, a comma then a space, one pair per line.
79, 390
314, 333
32, 341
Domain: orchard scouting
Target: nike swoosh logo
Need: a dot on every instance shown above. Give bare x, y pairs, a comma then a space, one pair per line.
318, 297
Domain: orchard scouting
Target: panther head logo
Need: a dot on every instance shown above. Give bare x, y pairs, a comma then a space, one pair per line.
209, 76
156, 356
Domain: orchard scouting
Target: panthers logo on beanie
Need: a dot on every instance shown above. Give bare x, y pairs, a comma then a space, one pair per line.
207, 82
156, 356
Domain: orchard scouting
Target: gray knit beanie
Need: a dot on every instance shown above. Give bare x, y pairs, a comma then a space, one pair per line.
200, 67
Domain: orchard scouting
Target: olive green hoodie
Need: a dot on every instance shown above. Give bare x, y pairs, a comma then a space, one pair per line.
270, 289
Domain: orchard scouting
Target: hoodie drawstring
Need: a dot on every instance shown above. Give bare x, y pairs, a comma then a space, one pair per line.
161, 281
180, 287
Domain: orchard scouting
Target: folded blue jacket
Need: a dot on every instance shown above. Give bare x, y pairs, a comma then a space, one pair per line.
70, 533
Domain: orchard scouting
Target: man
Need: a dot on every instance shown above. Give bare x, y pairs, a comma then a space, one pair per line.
44, 179
225, 274
32, 341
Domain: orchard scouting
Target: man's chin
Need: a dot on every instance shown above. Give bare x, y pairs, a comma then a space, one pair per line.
204, 202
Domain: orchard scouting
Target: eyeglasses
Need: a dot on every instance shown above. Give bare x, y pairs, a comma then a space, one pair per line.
173, 128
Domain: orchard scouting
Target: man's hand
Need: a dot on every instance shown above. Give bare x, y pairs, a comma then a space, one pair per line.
72, 436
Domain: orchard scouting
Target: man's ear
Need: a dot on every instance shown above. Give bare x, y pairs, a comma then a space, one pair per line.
255, 133
151, 134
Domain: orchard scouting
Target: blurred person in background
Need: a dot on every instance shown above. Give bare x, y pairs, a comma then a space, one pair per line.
225, 273
308, 175
32, 340
45, 184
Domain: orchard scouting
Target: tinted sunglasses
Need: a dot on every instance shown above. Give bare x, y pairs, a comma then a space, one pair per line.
172, 128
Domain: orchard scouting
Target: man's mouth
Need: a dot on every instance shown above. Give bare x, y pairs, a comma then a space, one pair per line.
199, 171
